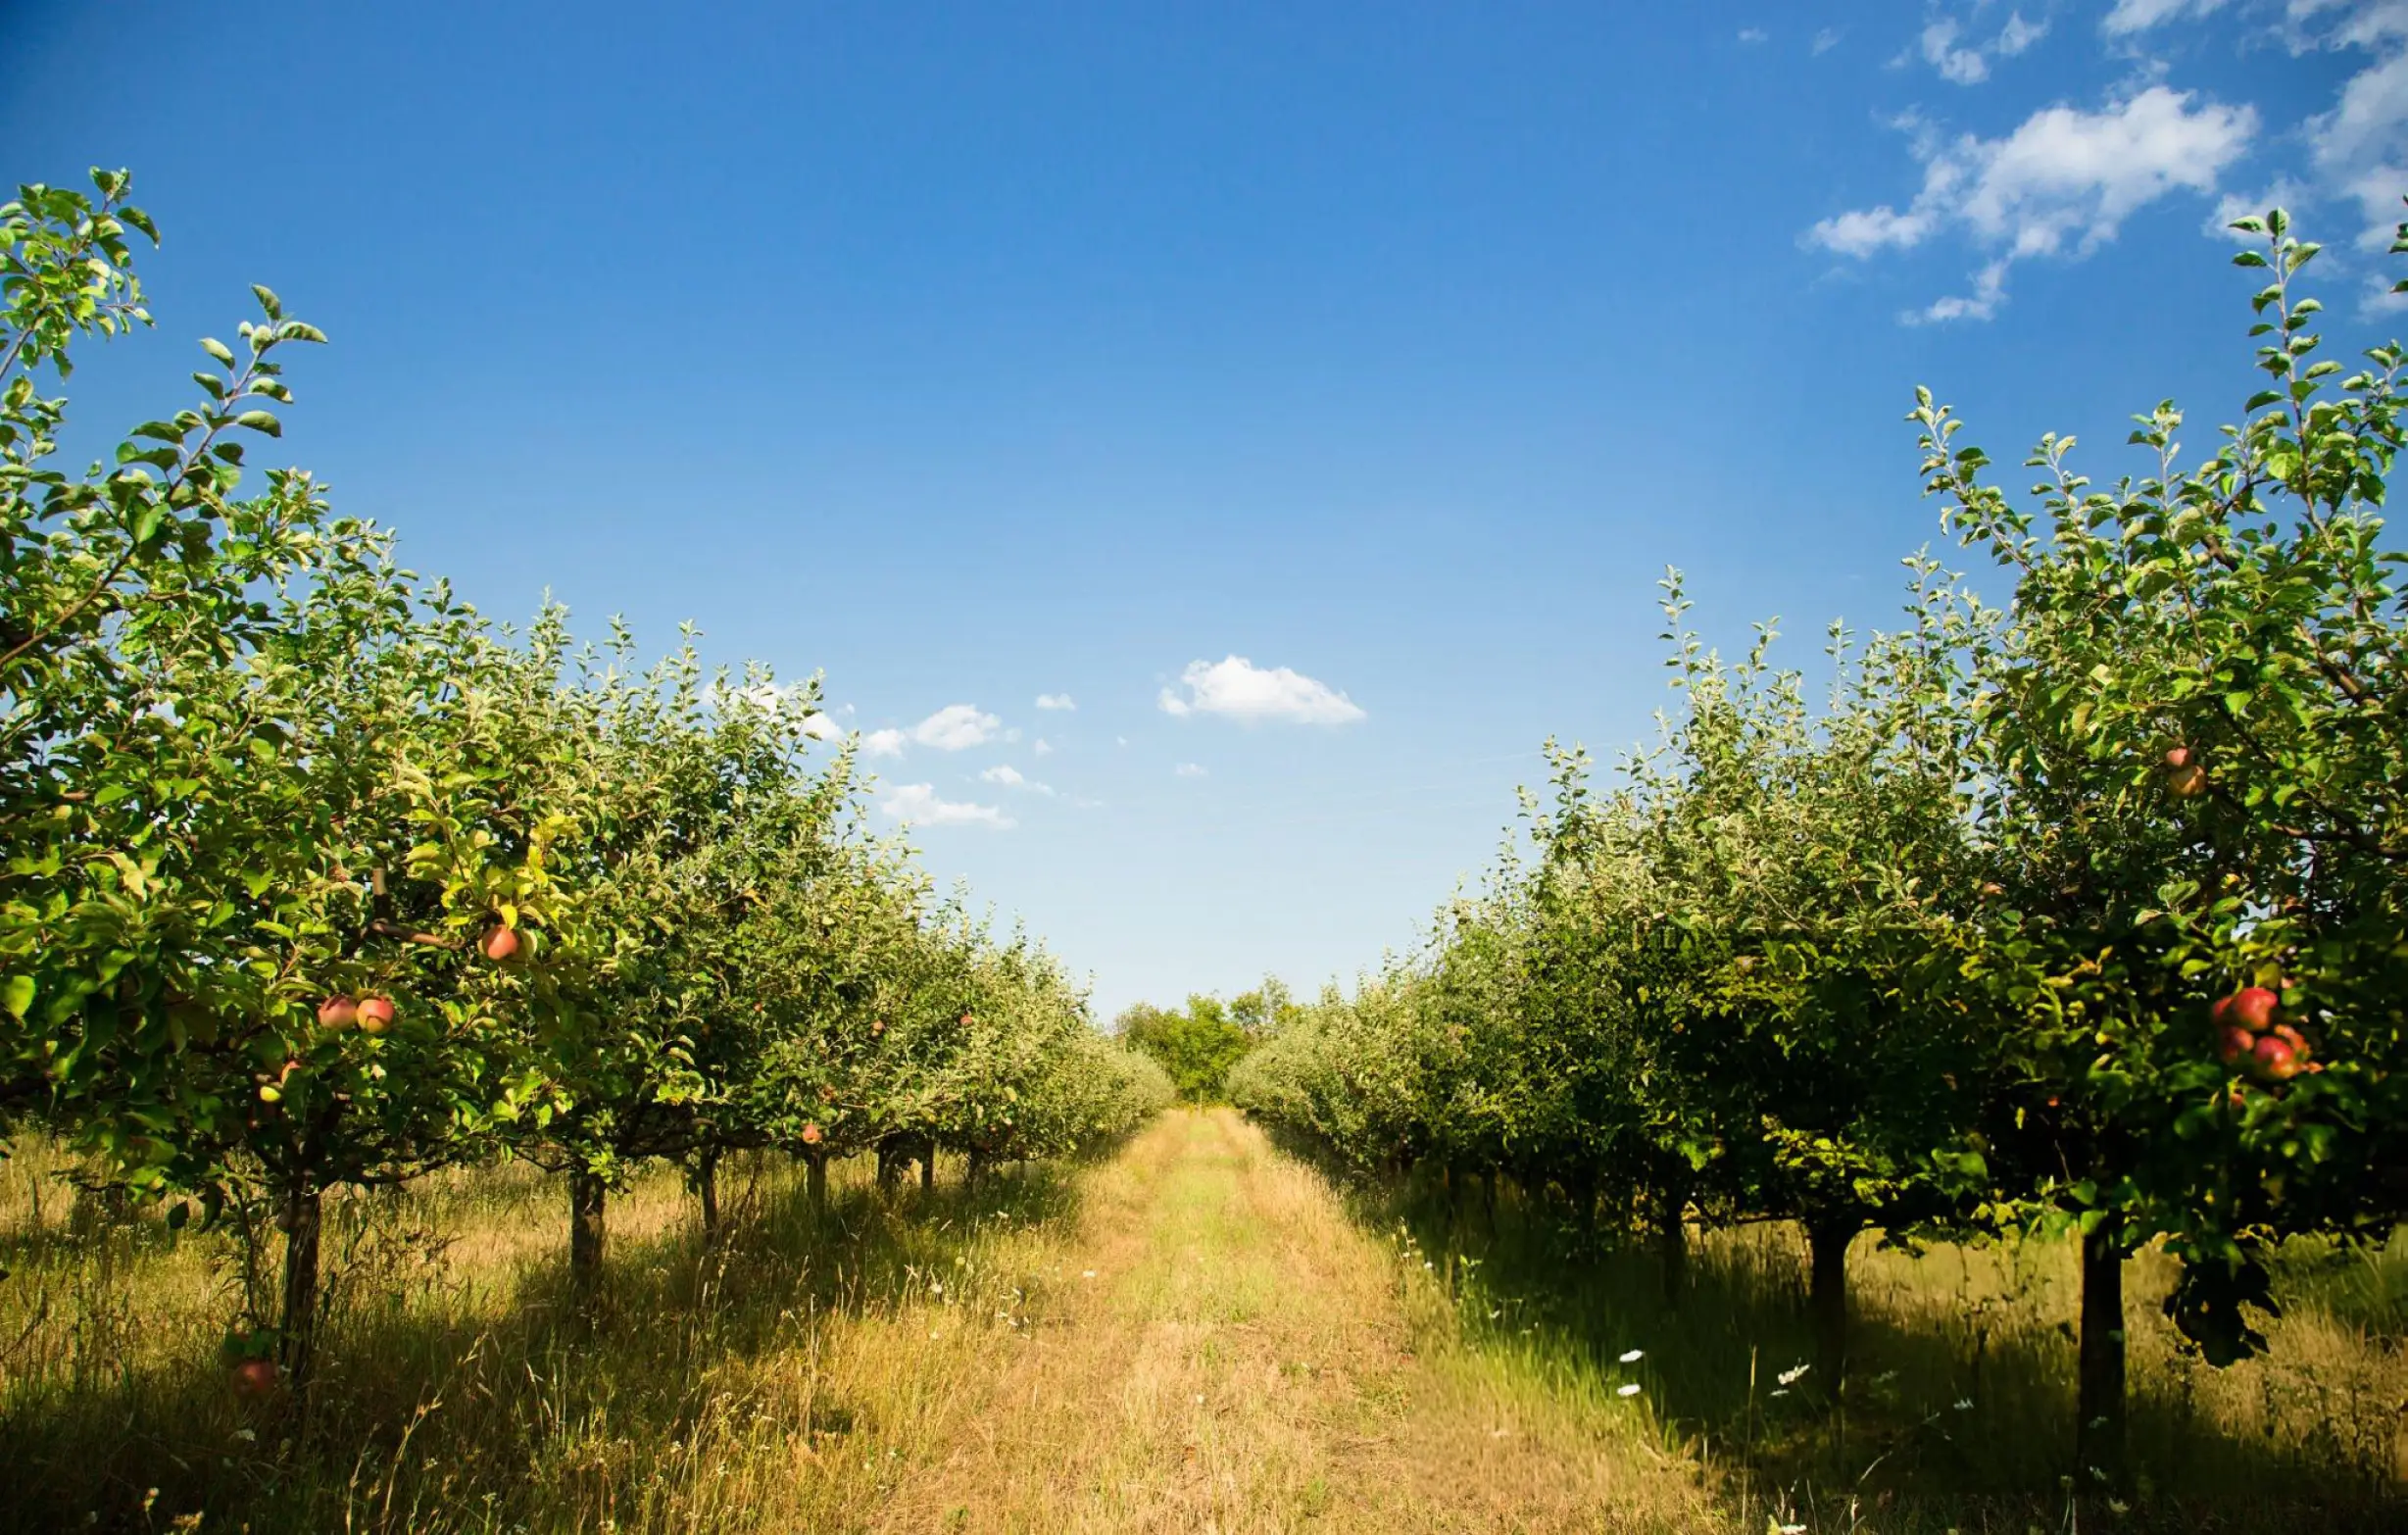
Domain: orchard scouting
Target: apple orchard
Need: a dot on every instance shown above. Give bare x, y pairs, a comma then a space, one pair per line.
317, 880
2076, 914
2081, 915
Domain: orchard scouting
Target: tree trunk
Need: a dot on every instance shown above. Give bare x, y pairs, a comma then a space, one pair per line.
585, 1203
707, 1188
298, 1333
2099, 1436
1827, 1244
976, 1173
1672, 1239
927, 1169
816, 1182
890, 1169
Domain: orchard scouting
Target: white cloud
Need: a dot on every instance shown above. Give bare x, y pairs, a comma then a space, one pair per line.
1191, 770
955, 727
919, 804
2061, 184
2139, 16
1824, 42
1944, 46
1755, 34
1964, 65
1011, 777
1860, 231
1988, 289
1056, 700
819, 727
2361, 146
2019, 34
1242, 690
1043, 748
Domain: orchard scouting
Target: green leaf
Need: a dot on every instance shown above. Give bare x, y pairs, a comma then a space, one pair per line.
261, 422
17, 994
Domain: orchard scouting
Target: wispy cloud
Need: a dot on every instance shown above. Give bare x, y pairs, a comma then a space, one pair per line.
1824, 42
2062, 183
1191, 770
1752, 35
919, 805
1238, 688
2139, 16
1043, 747
1945, 45
1062, 701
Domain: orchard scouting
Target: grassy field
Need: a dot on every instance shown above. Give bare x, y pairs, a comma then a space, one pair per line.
1960, 1410
1199, 1333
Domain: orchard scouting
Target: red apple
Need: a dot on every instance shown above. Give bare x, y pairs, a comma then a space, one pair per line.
500, 943
337, 1013
2233, 1043
2277, 1058
2252, 1008
2178, 757
2188, 781
376, 1015
811, 1135
255, 1378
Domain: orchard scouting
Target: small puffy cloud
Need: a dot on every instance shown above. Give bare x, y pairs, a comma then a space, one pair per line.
1240, 689
1062, 701
1824, 42
955, 727
1043, 747
919, 805
2061, 184
2139, 16
819, 727
1191, 770
1860, 231
1755, 34
1011, 777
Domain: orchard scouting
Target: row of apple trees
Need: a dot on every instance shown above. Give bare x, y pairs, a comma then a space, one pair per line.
2081, 914
315, 880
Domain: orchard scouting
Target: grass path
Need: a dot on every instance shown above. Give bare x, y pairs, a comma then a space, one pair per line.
1235, 1356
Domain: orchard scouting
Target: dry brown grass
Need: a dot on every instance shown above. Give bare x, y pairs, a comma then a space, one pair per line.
1199, 1334
1242, 1359
1246, 1359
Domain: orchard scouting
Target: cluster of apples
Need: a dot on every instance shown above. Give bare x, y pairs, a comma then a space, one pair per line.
2247, 1034
369, 1014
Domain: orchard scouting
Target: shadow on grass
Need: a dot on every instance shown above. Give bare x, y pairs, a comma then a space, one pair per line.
1960, 1403
486, 1399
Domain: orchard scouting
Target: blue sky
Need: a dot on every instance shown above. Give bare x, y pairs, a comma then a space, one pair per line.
1310, 396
